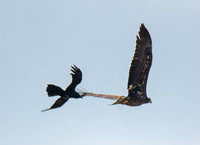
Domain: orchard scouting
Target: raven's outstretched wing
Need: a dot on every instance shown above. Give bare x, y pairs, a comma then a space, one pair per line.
141, 63
58, 103
76, 78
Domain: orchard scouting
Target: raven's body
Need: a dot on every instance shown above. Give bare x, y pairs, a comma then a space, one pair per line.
70, 92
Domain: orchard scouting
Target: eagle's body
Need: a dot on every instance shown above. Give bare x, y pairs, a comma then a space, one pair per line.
138, 73
70, 92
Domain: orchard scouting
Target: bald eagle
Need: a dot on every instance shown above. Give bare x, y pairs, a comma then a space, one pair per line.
69, 92
138, 73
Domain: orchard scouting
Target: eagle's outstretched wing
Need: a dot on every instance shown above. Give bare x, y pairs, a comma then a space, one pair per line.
76, 78
141, 63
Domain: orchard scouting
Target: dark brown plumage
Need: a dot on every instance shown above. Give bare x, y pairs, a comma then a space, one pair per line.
138, 73
69, 92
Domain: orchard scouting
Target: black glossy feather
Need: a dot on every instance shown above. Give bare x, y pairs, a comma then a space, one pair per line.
53, 90
58, 103
76, 78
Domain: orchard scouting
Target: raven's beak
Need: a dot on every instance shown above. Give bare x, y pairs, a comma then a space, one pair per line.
150, 102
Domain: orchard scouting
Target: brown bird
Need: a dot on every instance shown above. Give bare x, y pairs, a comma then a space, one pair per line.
69, 92
138, 73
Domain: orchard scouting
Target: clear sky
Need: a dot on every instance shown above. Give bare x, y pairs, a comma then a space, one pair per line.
41, 39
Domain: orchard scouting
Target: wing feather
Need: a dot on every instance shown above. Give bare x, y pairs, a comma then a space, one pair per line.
141, 63
58, 103
76, 77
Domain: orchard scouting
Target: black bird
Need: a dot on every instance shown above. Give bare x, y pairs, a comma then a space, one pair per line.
138, 73
70, 92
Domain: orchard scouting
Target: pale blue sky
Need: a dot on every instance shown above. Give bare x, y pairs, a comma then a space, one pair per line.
41, 39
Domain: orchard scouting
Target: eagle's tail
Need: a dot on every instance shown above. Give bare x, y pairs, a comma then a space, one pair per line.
121, 100
53, 90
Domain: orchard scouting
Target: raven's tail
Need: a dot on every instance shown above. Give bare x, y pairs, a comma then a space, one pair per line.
53, 90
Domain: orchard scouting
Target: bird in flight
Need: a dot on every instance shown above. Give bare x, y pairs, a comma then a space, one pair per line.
69, 92
138, 73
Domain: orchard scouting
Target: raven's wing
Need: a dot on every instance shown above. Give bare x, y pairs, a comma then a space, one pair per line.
76, 78
141, 63
58, 103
